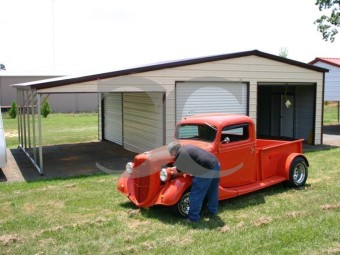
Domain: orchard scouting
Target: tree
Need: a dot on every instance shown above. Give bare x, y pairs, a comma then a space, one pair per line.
283, 52
45, 109
13, 111
328, 24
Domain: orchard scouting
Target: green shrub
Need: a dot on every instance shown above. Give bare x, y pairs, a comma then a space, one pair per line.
13, 111
45, 109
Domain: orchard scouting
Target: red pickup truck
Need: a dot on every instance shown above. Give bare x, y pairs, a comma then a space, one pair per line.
247, 164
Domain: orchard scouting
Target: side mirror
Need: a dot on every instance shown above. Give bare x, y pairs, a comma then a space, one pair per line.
226, 140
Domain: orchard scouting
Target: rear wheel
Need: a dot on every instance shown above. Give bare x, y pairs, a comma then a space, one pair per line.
298, 172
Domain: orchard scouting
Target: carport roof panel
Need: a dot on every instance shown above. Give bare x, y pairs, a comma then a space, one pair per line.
67, 80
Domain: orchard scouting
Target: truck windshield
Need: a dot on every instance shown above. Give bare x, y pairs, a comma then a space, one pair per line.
202, 132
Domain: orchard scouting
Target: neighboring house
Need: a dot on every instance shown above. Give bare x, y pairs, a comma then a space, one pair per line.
332, 78
66, 103
139, 107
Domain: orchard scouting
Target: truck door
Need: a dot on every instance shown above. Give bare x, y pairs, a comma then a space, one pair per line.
237, 155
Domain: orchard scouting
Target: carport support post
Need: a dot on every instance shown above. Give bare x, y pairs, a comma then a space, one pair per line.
23, 118
41, 169
33, 95
19, 116
29, 147
338, 111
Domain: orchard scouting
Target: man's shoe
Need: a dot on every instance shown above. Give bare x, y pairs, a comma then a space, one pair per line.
187, 220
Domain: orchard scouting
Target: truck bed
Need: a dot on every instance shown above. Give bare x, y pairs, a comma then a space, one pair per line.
263, 144
272, 154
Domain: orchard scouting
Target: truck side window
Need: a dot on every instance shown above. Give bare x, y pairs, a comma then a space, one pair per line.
235, 133
204, 132
187, 131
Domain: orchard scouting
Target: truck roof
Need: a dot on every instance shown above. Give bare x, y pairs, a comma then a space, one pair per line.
217, 119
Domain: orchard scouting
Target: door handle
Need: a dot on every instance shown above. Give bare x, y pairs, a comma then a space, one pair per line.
252, 149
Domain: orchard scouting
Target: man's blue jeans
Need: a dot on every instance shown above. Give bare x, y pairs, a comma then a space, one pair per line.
204, 187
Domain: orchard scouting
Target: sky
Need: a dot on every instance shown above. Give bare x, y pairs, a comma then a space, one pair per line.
85, 36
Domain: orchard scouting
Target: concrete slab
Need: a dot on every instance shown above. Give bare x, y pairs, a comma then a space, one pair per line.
68, 160
331, 135
11, 172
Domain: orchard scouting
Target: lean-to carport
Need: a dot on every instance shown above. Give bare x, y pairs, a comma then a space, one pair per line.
31, 95
29, 125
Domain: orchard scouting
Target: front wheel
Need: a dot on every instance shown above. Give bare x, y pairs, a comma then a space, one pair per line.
183, 205
298, 172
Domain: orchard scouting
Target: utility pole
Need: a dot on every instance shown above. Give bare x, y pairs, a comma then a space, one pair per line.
53, 39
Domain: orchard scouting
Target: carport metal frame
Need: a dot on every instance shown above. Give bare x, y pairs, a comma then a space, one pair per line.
29, 111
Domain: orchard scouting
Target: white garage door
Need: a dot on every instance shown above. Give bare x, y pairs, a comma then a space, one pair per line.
143, 121
113, 128
210, 97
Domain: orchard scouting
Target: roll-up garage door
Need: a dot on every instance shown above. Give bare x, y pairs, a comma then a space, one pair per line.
113, 126
210, 97
143, 121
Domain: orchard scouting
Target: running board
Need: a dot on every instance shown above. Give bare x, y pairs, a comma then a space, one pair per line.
259, 185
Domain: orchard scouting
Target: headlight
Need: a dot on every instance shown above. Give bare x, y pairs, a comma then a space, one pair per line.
163, 175
129, 167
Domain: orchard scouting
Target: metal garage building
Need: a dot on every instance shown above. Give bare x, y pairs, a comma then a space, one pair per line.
332, 78
139, 107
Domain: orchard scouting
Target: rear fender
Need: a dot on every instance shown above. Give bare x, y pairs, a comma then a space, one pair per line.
173, 190
289, 161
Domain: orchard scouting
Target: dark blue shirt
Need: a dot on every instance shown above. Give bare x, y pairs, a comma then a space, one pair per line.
194, 160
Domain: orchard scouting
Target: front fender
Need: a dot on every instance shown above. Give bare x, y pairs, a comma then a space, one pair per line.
173, 190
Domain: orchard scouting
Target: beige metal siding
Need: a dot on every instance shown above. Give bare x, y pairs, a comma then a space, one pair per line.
113, 125
143, 121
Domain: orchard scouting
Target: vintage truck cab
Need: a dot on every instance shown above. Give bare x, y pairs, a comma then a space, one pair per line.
247, 164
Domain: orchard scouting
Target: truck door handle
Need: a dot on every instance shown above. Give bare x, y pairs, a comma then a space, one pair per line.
252, 149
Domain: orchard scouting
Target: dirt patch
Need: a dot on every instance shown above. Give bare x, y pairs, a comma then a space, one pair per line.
11, 134
334, 250
240, 225
224, 229
8, 239
295, 214
330, 206
70, 186
262, 221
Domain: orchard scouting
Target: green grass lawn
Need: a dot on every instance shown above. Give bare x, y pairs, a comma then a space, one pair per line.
58, 128
331, 113
86, 215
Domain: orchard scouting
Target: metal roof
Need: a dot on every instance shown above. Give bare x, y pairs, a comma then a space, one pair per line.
330, 61
55, 82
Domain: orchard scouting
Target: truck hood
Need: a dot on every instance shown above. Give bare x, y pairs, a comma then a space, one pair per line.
162, 155
159, 158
